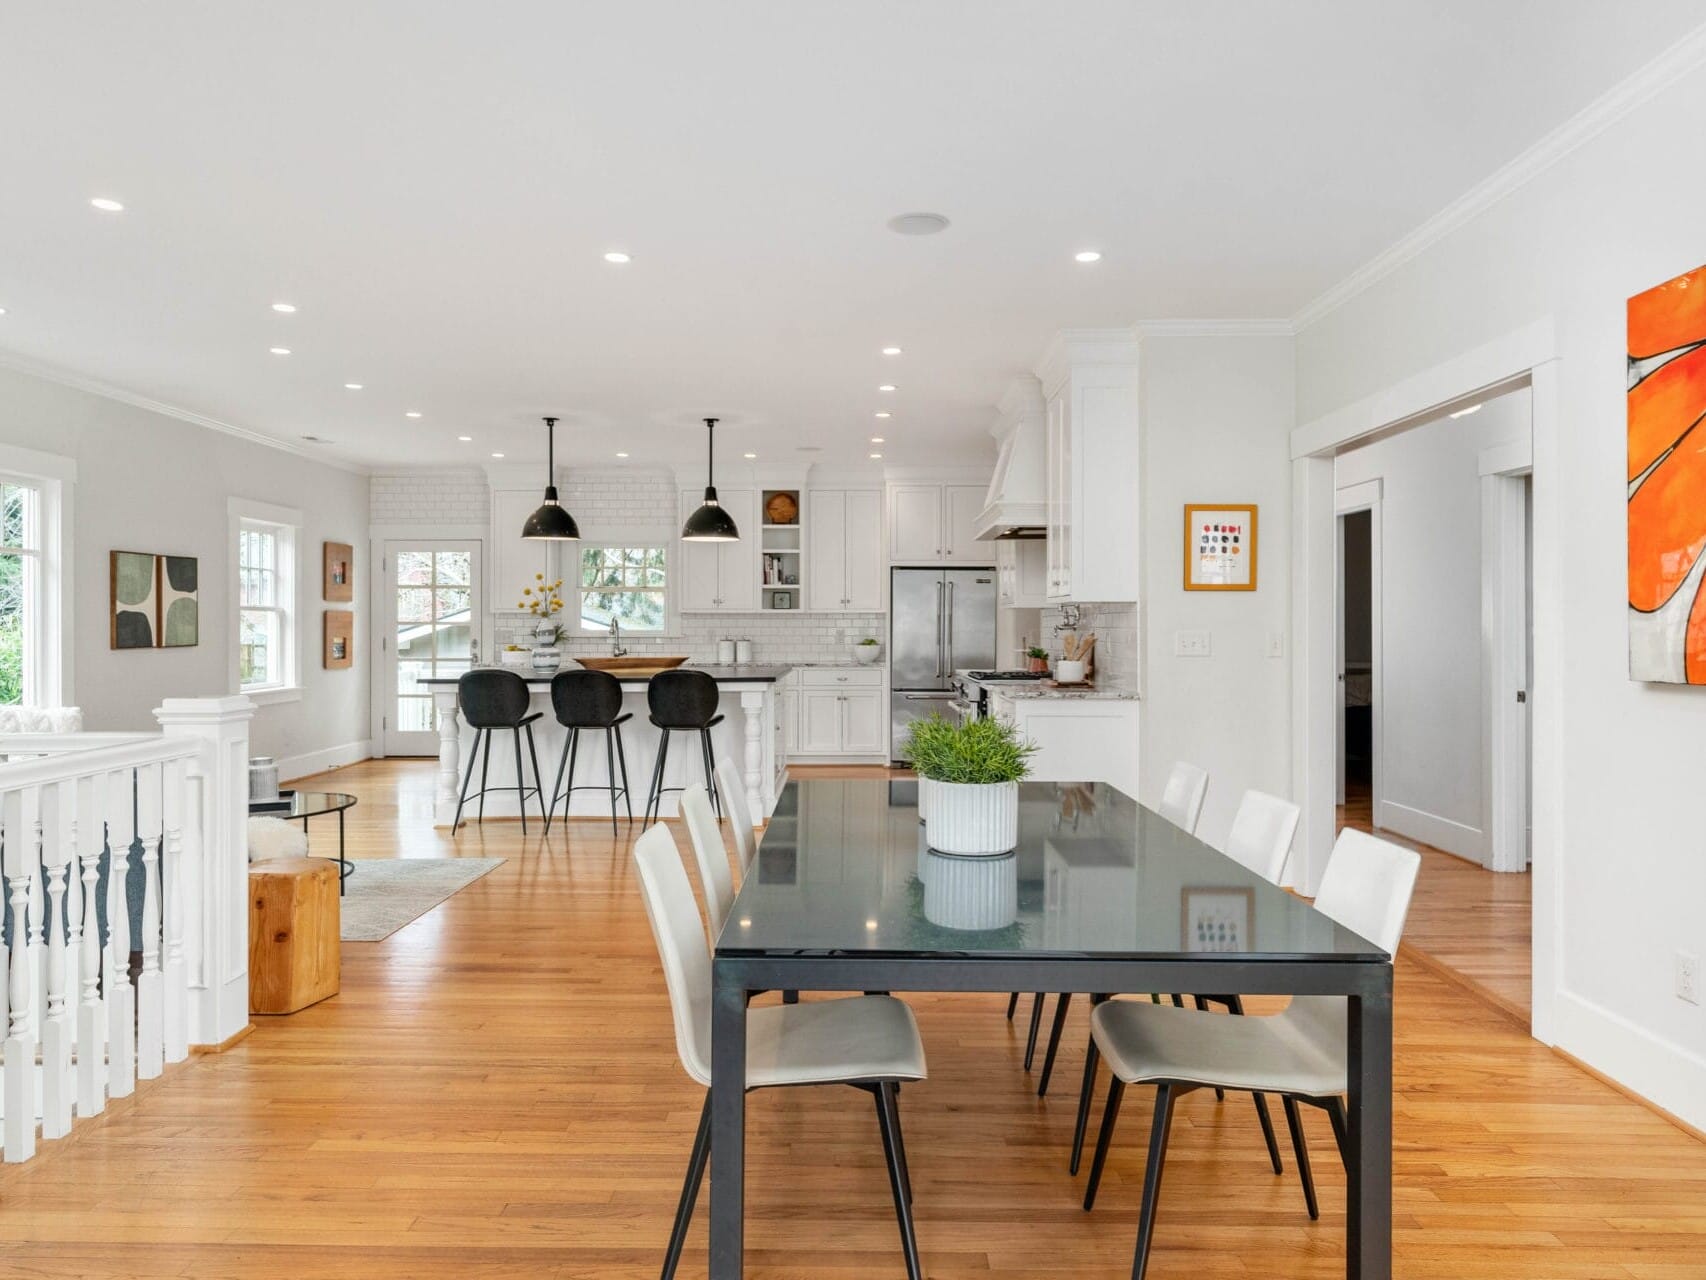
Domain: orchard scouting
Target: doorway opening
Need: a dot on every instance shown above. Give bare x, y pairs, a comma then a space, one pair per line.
1433, 648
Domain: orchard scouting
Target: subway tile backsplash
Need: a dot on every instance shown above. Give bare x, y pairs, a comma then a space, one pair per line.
1115, 626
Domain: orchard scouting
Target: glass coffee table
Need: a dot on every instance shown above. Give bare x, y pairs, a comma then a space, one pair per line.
311, 804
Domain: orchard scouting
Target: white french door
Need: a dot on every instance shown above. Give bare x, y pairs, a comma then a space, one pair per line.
432, 617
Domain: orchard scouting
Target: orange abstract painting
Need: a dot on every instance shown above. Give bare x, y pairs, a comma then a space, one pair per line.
1667, 481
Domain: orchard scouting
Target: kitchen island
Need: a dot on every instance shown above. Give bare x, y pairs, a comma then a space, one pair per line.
750, 735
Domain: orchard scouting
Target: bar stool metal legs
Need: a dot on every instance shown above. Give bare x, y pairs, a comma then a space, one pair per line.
483, 738
655, 798
613, 754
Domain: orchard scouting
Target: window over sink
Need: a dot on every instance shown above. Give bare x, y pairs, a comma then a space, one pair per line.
628, 583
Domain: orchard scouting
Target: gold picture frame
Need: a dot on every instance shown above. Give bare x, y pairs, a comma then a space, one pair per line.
1221, 546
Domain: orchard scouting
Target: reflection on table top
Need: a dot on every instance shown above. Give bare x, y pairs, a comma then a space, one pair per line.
306, 804
844, 866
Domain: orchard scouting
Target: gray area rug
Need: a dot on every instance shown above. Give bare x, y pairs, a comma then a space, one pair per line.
384, 894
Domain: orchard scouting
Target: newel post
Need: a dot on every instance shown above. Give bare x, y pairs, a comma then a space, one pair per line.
215, 861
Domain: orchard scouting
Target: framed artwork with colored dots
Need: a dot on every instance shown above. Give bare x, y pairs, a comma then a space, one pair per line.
1220, 547
1218, 919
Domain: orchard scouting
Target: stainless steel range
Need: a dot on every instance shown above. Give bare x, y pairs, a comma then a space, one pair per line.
971, 689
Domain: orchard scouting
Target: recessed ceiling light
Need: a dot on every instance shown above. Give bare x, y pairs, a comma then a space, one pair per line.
497, 455
884, 413
749, 455
284, 308
412, 413
352, 386
621, 455
1087, 255
464, 439
887, 386
1464, 413
279, 351
876, 440
2, 311
876, 455
808, 448
107, 206
618, 257
891, 351
918, 224
316, 440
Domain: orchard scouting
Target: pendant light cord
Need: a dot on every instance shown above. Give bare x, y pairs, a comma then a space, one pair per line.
710, 453
550, 453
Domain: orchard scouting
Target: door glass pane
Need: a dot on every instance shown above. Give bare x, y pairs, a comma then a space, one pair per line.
452, 603
455, 568
414, 715
410, 674
414, 604
414, 568
453, 644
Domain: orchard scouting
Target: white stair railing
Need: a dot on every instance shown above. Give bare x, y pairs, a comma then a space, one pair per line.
97, 832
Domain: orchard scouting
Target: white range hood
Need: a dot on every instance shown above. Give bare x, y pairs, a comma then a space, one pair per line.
1016, 506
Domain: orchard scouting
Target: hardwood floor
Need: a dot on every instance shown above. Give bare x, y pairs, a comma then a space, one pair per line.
495, 1093
1464, 919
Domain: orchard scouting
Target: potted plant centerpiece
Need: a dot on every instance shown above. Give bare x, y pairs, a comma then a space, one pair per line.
970, 774
544, 603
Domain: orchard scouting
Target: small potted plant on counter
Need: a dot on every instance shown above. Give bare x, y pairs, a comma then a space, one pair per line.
544, 603
867, 651
971, 773
1036, 660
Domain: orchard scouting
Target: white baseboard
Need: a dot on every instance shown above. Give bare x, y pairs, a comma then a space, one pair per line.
291, 767
1442, 833
1664, 1073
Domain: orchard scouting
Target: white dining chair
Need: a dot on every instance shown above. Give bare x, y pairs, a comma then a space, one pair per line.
869, 1042
731, 790
1181, 800
1301, 1054
1261, 834
711, 854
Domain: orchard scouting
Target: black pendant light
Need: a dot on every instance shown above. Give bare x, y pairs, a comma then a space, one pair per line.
550, 523
709, 522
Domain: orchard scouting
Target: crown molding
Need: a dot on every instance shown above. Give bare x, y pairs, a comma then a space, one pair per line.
1273, 328
1659, 74
107, 391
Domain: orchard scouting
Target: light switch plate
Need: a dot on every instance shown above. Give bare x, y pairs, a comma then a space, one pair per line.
1276, 644
1191, 644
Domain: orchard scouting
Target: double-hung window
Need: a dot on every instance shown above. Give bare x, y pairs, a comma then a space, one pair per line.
21, 599
266, 599
628, 583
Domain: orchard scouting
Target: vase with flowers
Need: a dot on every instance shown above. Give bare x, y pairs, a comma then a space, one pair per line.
544, 601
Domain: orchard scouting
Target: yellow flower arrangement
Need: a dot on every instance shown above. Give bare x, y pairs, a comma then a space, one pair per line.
545, 602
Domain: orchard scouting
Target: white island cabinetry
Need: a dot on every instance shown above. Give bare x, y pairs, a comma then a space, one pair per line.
1078, 738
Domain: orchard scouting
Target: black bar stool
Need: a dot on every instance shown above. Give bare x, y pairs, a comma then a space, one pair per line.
589, 700
492, 699
687, 701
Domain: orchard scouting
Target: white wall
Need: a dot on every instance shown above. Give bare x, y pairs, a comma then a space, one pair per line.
1615, 216
1217, 412
1431, 771
147, 482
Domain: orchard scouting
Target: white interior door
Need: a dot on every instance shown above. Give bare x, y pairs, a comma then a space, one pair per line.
1339, 640
432, 611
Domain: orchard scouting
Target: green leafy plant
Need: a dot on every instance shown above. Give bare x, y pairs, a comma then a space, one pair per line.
979, 751
1034, 652
868, 640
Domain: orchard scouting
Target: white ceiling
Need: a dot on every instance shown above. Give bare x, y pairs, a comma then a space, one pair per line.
433, 185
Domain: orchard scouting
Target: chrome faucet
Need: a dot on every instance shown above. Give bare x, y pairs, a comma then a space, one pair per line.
616, 649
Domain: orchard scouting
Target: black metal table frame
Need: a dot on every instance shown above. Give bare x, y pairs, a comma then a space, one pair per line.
1366, 984
346, 868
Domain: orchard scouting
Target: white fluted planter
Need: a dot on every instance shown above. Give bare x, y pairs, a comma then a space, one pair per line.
924, 789
970, 818
971, 893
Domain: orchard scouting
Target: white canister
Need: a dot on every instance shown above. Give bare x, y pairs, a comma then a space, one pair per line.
263, 779
743, 652
1067, 671
726, 652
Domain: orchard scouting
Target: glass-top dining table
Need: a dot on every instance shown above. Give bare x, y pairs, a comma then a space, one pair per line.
1100, 895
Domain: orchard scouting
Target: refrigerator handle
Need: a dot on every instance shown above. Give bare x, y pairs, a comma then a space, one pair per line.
950, 612
938, 629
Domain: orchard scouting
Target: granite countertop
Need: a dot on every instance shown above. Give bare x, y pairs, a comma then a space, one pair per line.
751, 673
1098, 693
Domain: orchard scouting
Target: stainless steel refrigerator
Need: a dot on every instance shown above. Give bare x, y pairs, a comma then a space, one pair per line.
940, 621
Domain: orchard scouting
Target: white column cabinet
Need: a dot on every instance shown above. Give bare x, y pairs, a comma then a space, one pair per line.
864, 727
1021, 572
1091, 461
844, 550
720, 577
820, 722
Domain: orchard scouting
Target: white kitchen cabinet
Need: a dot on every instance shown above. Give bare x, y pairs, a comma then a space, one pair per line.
788, 714
843, 712
516, 559
935, 523
1091, 464
720, 577
1078, 739
844, 550
1021, 572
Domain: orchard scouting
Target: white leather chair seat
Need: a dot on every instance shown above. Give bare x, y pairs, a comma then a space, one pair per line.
1145, 1043
828, 1041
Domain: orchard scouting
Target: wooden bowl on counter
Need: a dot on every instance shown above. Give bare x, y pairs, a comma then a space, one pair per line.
638, 666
